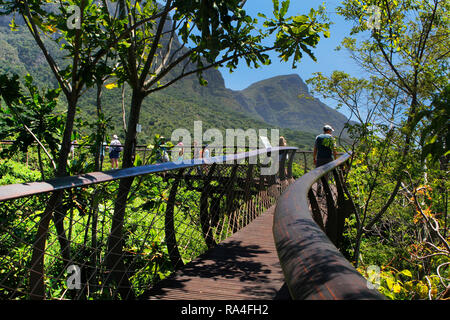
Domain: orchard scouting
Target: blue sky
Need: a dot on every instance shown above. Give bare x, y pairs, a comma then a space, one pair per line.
328, 59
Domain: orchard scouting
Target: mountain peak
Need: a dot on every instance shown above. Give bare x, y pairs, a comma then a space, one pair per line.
279, 101
291, 82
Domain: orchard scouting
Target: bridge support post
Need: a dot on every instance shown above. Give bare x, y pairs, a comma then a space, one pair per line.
289, 166
316, 214
169, 225
250, 212
204, 210
331, 223
344, 206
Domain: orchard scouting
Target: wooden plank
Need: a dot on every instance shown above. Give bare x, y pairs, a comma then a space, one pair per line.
243, 267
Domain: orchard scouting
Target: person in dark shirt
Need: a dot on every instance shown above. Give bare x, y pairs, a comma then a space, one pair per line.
324, 147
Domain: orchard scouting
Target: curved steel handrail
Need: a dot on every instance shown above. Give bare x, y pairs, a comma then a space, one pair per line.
313, 267
13, 191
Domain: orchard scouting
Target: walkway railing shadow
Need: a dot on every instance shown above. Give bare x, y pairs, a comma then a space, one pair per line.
308, 230
175, 212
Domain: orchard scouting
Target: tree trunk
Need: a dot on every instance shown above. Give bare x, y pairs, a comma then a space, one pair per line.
37, 286
53, 210
114, 255
169, 225
99, 135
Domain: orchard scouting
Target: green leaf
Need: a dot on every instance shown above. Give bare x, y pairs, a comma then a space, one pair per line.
13, 26
276, 6
138, 161
300, 19
406, 273
261, 15
284, 8
389, 281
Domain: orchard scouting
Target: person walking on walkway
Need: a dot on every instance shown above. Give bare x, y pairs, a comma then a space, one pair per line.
324, 147
283, 143
72, 148
114, 152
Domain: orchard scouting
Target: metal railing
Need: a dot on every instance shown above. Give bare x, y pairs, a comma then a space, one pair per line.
174, 213
303, 158
308, 229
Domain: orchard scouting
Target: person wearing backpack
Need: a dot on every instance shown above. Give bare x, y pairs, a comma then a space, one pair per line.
324, 147
114, 152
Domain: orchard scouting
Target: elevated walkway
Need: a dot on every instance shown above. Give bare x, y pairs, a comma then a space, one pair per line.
243, 267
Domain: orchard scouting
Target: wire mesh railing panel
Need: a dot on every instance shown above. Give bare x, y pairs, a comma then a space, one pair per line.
17, 219
62, 244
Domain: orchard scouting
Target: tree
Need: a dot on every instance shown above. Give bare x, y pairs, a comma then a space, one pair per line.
140, 36
85, 43
435, 137
212, 34
30, 118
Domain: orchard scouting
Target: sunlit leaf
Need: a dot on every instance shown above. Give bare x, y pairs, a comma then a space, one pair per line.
111, 86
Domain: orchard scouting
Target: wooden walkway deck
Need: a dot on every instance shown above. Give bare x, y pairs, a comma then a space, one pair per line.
243, 267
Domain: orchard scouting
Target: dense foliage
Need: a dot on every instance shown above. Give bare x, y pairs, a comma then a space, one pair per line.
399, 236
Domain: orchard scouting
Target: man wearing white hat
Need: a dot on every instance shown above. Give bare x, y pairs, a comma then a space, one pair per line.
324, 147
114, 152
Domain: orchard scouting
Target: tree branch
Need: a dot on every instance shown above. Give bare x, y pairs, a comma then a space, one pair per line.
386, 205
65, 86
155, 44
42, 146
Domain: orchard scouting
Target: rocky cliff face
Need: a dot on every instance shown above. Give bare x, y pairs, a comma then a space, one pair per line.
282, 101
285, 101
